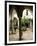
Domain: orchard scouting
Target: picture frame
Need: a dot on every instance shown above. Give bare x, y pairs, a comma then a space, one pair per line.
22, 4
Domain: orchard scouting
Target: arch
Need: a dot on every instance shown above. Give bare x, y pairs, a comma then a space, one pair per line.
26, 16
13, 18
14, 14
27, 13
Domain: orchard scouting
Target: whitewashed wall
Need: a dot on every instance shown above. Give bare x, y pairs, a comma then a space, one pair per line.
14, 15
29, 13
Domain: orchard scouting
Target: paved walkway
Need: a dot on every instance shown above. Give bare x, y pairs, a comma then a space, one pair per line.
26, 35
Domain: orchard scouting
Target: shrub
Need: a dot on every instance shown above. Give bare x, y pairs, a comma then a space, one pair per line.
25, 21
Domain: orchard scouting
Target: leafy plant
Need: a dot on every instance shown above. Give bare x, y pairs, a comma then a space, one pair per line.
25, 21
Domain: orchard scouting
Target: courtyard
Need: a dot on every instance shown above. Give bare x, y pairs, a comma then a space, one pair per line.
26, 35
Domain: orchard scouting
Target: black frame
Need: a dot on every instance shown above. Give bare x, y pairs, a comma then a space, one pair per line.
6, 22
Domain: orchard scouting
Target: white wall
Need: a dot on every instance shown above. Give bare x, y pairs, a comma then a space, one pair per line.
29, 13
14, 14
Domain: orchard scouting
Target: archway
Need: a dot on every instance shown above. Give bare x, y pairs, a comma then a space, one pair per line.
13, 19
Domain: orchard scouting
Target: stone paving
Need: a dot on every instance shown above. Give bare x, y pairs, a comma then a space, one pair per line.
26, 35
